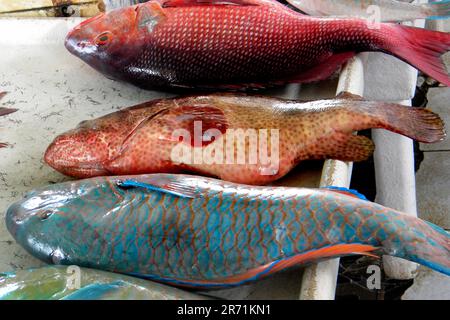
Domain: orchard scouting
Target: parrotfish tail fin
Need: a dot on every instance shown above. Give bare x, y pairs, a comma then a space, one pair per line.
416, 123
438, 10
421, 242
5, 111
421, 48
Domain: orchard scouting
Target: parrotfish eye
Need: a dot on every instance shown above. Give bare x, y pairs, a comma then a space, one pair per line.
103, 38
44, 214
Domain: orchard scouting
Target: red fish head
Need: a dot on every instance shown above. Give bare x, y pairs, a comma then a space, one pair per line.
103, 41
83, 151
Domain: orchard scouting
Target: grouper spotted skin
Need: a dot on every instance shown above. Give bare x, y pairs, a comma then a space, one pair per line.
206, 233
144, 139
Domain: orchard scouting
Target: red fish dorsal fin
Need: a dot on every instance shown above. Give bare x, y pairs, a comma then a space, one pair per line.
194, 3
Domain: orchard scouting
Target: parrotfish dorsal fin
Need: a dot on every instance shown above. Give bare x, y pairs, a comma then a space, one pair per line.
165, 184
192, 3
347, 192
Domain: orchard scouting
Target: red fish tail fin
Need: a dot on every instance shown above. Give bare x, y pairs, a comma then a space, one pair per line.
421, 48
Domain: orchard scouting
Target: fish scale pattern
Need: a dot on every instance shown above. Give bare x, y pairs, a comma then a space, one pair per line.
216, 234
216, 45
224, 232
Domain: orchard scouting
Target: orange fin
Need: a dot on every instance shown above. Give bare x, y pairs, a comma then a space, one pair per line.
327, 252
297, 260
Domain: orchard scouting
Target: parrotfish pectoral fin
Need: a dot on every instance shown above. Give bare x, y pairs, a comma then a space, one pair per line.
96, 291
347, 192
165, 184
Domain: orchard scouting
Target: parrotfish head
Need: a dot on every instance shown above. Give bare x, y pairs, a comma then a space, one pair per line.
85, 151
37, 224
46, 220
104, 41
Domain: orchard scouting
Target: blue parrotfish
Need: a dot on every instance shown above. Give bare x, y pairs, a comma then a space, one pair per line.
205, 233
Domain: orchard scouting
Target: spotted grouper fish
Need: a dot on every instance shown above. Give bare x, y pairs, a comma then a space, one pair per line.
236, 44
239, 138
206, 233
75, 283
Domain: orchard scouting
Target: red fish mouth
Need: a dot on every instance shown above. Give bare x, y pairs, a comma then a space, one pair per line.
73, 167
80, 170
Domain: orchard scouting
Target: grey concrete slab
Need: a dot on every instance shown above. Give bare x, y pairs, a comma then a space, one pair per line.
439, 102
433, 188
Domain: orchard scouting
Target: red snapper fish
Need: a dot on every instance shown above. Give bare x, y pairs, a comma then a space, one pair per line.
237, 44
239, 138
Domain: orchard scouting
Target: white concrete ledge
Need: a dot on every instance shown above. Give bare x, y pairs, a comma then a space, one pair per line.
319, 280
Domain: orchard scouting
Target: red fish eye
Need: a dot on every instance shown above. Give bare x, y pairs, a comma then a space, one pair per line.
103, 39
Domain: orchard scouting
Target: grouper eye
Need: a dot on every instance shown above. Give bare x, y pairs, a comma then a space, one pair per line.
103, 38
